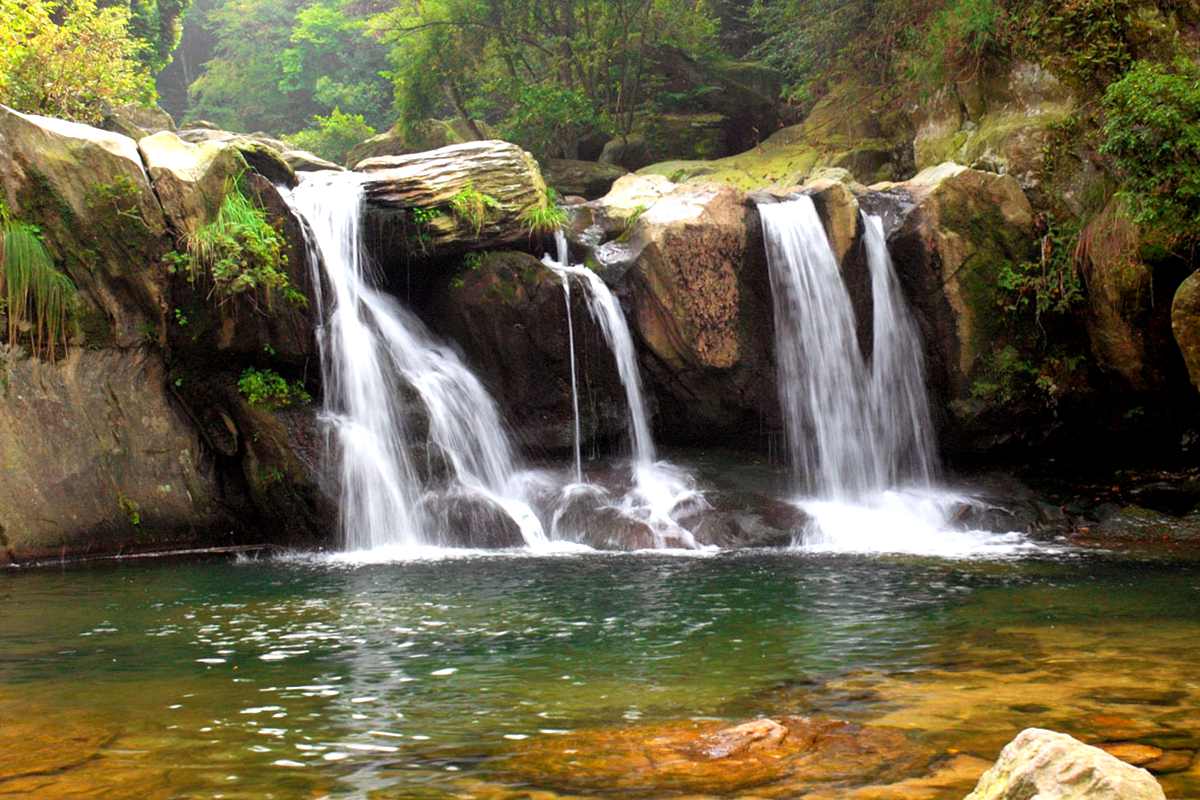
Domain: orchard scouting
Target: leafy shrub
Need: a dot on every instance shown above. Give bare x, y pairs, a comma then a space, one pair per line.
266, 388
1050, 285
551, 120
240, 253
956, 42
36, 296
332, 137
1152, 133
70, 59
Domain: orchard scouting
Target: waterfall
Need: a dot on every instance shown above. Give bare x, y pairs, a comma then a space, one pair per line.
659, 490
858, 429
377, 358
824, 389
903, 430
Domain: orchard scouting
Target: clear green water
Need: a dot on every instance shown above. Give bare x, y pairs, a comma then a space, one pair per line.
307, 679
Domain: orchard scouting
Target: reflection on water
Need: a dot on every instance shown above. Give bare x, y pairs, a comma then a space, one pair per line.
301, 679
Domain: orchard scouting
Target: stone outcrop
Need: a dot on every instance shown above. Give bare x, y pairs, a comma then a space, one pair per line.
999, 123
398, 186
691, 260
105, 450
265, 154
95, 456
1053, 766
190, 179
87, 191
586, 179
954, 229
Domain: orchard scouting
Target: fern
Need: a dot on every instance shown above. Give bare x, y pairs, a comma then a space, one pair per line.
546, 216
36, 295
471, 206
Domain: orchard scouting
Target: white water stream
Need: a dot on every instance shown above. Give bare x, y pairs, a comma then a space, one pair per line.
858, 429
389, 385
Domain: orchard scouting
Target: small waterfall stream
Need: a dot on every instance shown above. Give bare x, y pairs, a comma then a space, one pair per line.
659, 490
385, 378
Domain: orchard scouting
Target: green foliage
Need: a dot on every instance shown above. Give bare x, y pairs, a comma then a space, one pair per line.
471, 207
240, 253
331, 137
1050, 285
590, 60
1152, 133
37, 299
1011, 377
277, 64
70, 59
266, 388
1084, 41
954, 44
546, 216
628, 224
549, 120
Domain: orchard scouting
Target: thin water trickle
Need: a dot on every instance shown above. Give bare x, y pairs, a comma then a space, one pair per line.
386, 379
660, 491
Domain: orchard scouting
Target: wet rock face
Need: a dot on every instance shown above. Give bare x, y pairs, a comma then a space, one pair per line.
1054, 766
94, 456
508, 314
784, 757
1185, 323
691, 261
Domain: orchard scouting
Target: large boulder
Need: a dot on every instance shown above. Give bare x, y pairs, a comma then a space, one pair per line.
96, 457
691, 258
87, 191
508, 312
190, 179
1185, 322
587, 179
413, 194
266, 154
1053, 766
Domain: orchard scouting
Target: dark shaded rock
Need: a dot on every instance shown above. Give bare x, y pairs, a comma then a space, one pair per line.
508, 313
472, 521
586, 179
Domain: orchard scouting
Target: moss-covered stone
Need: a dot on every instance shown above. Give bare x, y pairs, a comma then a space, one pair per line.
1185, 322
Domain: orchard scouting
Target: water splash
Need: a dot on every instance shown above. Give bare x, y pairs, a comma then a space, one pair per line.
384, 378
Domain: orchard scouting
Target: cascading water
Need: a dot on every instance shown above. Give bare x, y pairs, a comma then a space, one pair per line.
659, 490
374, 355
858, 430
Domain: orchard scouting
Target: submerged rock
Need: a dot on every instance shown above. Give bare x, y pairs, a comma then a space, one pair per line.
789, 756
1053, 766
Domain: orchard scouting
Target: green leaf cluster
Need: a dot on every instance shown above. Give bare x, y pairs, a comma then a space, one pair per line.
1152, 133
71, 59
266, 388
471, 207
332, 136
